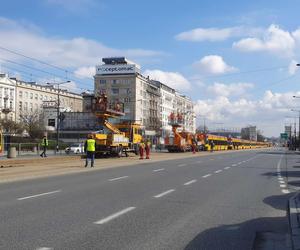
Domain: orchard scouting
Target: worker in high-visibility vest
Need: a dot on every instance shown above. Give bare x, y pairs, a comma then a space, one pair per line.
90, 149
141, 149
147, 148
44, 145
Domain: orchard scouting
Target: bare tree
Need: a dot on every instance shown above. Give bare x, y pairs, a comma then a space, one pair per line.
33, 124
11, 127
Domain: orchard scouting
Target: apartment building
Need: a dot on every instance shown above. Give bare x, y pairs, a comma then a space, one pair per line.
7, 97
147, 102
18, 98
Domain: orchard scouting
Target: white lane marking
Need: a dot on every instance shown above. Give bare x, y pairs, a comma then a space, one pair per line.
164, 193
285, 191
234, 165
181, 165
211, 159
218, 171
198, 161
281, 182
227, 168
37, 195
189, 182
115, 215
205, 176
282, 186
45, 248
158, 170
280, 178
118, 178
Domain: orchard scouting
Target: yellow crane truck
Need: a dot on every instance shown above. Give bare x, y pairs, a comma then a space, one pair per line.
118, 138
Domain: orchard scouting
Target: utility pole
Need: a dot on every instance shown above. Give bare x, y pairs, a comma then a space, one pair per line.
58, 113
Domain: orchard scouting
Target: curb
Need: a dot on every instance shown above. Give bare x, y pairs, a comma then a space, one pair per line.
294, 220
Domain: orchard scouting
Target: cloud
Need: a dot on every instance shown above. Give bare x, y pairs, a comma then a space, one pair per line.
293, 67
267, 113
213, 64
275, 40
215, 34
173, 79
71, 53
85, 72
233, 89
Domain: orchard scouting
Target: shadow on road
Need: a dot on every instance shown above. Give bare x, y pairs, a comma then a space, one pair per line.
243, 235
278, 201
271, 152
237, 236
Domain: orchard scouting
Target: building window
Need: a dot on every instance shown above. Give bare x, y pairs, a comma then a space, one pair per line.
31, 95
128, 91
21, 94
31, 107
102, 81
26, 95
114, 81
115, 91
36, 96
41, 97
20, 106
10, 104
26, 106
11, 93
51, 122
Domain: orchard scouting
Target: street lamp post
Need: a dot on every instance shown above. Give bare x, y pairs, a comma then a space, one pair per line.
58, 113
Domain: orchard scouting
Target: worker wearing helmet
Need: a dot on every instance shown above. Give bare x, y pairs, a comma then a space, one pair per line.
90, 148
141, 149
147, 148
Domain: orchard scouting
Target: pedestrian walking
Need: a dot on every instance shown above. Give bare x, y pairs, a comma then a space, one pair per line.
147, 148
141, 149
44, 145
90, 148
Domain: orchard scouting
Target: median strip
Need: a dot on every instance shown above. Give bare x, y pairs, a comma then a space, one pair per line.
114, 216
37, 195
164, 193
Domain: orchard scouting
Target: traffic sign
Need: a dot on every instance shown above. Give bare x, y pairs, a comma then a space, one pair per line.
284, 136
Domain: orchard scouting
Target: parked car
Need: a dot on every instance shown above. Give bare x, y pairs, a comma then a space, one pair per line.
76, 148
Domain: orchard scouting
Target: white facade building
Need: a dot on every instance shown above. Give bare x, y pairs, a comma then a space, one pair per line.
20, 98
7, 97
147, 102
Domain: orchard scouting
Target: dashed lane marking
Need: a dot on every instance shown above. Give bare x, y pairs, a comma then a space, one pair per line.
119, 178
234, 165
189, 182
227, 168
285, 191
114, 216
205, 176
38, 195
281, 182
182, 165
164, 193
218, 171
282, 186
158, 170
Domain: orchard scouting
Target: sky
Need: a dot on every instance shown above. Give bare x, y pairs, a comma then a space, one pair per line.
235, 59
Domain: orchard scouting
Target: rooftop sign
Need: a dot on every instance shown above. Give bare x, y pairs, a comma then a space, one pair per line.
112, 69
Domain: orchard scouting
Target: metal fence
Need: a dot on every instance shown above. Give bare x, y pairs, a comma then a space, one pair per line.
30, 149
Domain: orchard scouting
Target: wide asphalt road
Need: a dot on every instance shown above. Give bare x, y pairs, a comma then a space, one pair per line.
219, 201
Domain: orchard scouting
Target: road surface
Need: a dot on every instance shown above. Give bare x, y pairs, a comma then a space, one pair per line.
218, 201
